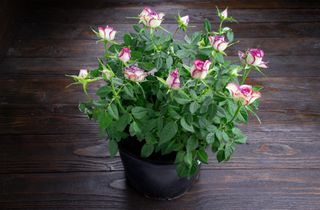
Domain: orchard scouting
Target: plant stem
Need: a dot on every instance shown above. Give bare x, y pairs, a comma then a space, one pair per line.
235, 114
245, 75
175, 33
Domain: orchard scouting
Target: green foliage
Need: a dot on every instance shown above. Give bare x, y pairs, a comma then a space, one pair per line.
188, 121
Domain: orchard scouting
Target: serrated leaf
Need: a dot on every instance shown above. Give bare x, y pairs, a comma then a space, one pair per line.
194, 106
186, 126
188, 158
192, 143
147, 150
113, 111
113, 148
207, 25
230, 36
169, 62
210, 138
139, 112
168, 132
127, 39
203, 156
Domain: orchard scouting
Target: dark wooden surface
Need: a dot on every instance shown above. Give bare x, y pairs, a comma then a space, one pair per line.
51, 156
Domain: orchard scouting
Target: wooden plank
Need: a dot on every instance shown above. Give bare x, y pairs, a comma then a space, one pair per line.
223, 189
241, 30
209, 4
197, 15
69, 152
89, 48
53, 91
36, 68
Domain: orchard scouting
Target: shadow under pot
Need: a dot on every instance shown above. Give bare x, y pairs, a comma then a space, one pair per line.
155, 177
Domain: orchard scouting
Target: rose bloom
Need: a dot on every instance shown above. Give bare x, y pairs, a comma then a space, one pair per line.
218, 43
253, 57
243, 92
135, 74
150, 18
107, 33
173, 80
125, 55
200, 69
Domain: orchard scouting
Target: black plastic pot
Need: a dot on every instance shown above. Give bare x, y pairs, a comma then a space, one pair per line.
156, 179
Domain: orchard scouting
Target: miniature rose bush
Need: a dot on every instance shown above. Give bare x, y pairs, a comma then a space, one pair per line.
174, 96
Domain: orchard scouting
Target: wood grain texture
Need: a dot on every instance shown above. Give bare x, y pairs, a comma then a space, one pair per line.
256, 189
52, 157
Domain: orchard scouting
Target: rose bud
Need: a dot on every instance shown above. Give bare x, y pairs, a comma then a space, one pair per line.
125, 55
253, 57
243, 92
173, 80
200, 69
218, 43
224, 13
145, 12
150, 18
135, 74
83, 73
107, 33
183, 22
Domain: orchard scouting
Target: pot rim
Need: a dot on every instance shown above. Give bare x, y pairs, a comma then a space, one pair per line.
146, 160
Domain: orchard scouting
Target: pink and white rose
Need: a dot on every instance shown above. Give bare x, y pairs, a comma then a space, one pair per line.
107, 33
224, 13
150, 18
253, 57
135, 74
243, 92
83, 73
218, 43
173, 80
200, 69
125, 55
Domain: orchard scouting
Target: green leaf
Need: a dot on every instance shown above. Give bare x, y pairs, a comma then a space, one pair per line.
123, 121
127, 39
180, 157
182, 170
136, 28
194, 106
139, 112
220, 156
134, 128
230, 36
181, 101
104, 120
207, 25
192, 143
168, 132
210, 138
240, 139
229, 149
219, 58
186, 126
203, 156
128, 91
147, 150
159, 62
103, 91
188, 158
169, 62
113, 147
215, 146
113, 111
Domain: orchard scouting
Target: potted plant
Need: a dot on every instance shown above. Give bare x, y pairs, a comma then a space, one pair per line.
165, 103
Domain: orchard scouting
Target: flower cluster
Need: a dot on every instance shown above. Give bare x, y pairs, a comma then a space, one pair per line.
174, 96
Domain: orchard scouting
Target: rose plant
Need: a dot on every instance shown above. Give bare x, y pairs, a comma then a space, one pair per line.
174, 96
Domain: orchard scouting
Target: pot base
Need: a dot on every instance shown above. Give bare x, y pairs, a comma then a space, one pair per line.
155, 180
